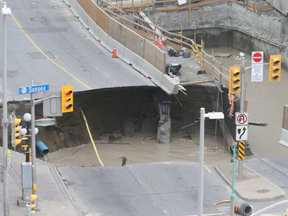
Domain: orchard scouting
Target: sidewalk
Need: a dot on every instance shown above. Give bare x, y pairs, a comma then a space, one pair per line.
53, 197
251, 187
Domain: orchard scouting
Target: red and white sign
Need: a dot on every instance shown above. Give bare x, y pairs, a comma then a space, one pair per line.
257, 57
257, 66
241, 118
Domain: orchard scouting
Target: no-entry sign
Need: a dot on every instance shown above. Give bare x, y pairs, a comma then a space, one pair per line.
257, 67
257, 57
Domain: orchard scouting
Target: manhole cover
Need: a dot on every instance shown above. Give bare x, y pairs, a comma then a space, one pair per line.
263, 191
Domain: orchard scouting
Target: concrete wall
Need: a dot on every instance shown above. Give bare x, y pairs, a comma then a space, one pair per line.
229, 16
281, 5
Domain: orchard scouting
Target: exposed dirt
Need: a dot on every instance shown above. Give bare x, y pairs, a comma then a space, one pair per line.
106, 112
143, 149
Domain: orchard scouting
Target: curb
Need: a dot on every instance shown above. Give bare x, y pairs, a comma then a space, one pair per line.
63, 188
218, 169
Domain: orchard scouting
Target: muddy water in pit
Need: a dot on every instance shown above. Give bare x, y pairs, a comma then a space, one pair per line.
265, 104
142, 149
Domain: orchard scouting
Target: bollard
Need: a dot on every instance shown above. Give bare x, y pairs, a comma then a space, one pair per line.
245, 209
28, 210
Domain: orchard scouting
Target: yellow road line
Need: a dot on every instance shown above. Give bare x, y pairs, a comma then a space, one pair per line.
207, 168
44, 54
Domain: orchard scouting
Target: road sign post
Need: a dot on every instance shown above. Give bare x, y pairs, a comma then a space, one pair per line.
5, 11
30, 90
242, 100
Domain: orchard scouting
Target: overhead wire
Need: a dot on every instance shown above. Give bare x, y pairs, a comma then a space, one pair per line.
91, 138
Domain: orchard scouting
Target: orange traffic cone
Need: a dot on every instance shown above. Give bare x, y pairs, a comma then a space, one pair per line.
114, 53
156, 40
160, 42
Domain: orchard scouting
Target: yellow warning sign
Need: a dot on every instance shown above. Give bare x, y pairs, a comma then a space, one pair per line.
241, 150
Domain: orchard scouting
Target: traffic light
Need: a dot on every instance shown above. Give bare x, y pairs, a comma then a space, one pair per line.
275, 68
33, 198
67, 99
16, 136
234, 79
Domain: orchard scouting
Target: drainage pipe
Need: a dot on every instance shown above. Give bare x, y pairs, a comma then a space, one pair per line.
245, 209
42, 148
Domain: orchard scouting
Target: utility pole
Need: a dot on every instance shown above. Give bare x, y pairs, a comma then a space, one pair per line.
201, 162
33, 143
242, 99
232, 201
5, 122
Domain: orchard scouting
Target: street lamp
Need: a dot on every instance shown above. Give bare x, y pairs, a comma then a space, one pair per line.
203, 115
5, 12
27, 117
23, 131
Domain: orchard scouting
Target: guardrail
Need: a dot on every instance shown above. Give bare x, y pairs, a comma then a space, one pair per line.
132, 48
136, 49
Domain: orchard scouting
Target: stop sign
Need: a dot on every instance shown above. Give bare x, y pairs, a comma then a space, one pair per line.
257, 57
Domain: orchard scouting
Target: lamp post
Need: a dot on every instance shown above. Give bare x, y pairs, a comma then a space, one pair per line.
232, 201
5, 11
211, 115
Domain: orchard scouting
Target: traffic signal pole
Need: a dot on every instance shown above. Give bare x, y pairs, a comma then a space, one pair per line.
5, 122
33, 142
33, 146
242, 100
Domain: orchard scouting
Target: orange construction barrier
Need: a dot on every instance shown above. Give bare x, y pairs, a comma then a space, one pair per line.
160, 42
156, 40
114, 53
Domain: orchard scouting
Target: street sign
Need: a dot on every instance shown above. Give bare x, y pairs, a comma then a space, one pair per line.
257, 67
45, 122
241, 150
241, 118
257, 73
33, 89
257, 57
242, 133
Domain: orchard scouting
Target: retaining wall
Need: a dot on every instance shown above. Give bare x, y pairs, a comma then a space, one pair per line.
132, 48
233, 17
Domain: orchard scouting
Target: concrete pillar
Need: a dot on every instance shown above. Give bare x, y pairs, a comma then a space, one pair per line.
164, 124
163, 103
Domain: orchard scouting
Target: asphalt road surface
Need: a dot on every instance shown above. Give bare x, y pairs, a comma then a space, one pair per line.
168, 188
47, 44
